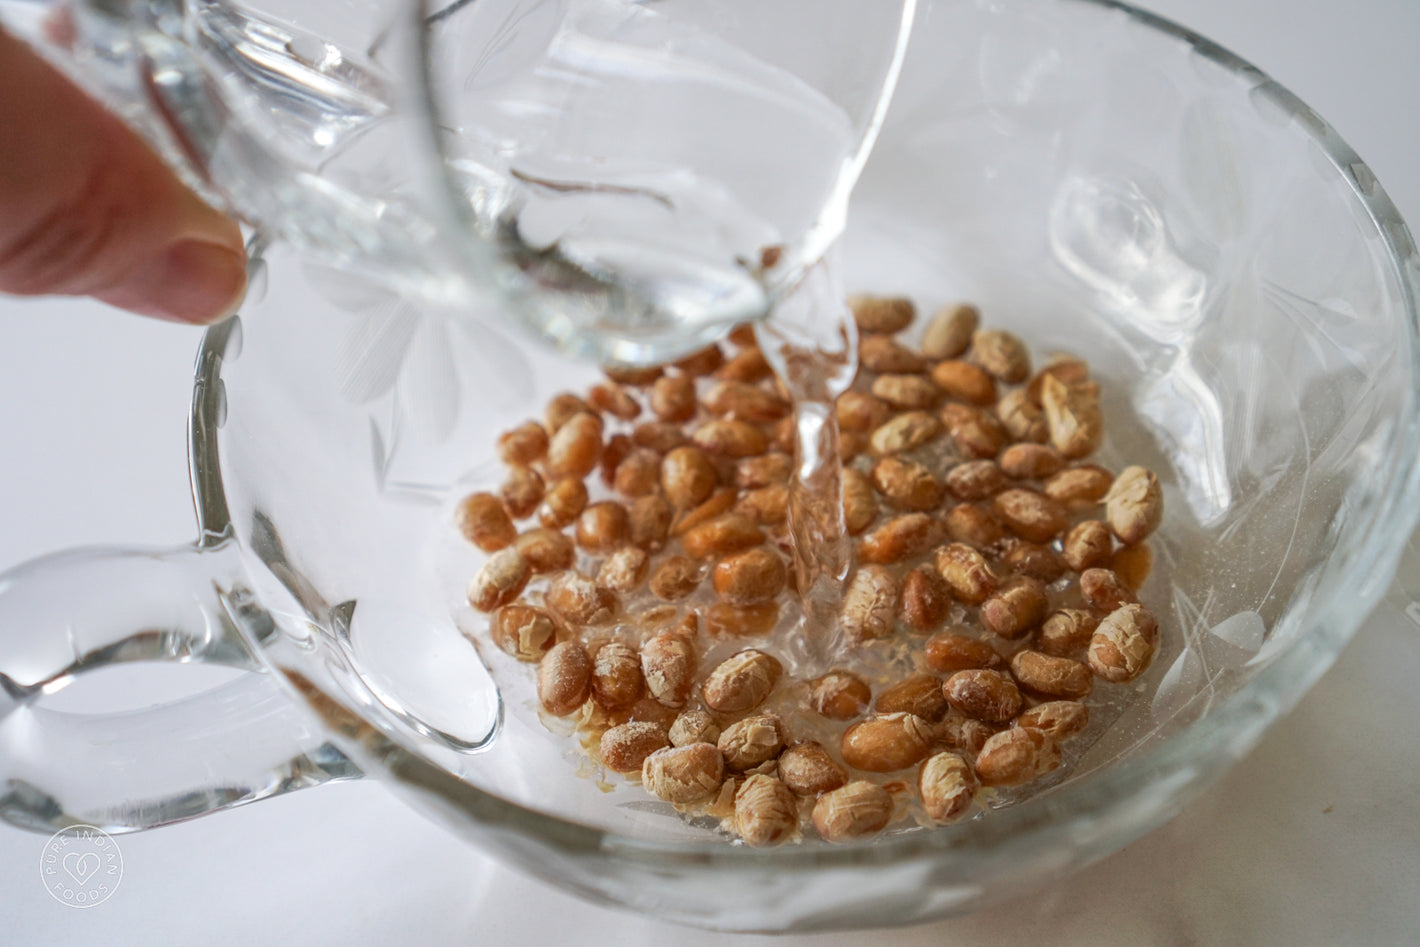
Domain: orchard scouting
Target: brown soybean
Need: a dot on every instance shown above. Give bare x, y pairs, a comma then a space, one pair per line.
564, 678
885, 744
481, 519
984, 694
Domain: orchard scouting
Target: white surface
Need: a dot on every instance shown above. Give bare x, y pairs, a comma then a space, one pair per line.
1312, 840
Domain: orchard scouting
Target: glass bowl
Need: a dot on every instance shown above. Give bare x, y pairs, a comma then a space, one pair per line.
1095, 179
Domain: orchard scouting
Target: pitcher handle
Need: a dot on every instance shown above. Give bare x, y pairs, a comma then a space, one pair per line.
74, 613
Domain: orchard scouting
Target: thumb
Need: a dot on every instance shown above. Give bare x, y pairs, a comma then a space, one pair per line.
87, 208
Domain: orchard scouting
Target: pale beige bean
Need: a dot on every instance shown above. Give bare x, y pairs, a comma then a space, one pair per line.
964, 382
749, 742
1060, 719
1088, 545
1134, 504
1017, 607
624, 570
522, 491
1031, 461
975, 480
481, 519
900, 538
1063, 368
1002, 354
948, 652
625, 747
733, 439
1045, 675
965, 572
1015, 756
854, 811
1103, 590
885, 744
741, 621
684, 775
675, 578
839, 695
949, 333
883, 314
907, 392
694, 726
1066, 632
499, 581
917, 694
907, 431
946, 786
1024, 421
808, 769
562, 503
1124, 644
1030, 515
1073, 416
616, 676
741, 682
887, 356
564, 678
987, 695
546, 550
860, 505
579, 601
525, 632
906, 484
870, 604
966, 735
668, 668
721, 536
766, 812
523, 445
750, 577
977, 432
925, 601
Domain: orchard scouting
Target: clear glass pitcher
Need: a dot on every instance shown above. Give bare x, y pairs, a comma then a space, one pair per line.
1097, 180
628, 178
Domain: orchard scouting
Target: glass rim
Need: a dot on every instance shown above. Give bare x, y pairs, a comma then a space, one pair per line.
1160, 779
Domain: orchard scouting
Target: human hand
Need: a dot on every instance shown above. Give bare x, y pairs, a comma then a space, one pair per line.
87, 208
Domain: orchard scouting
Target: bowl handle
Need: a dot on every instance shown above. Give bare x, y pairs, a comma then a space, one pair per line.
73, 613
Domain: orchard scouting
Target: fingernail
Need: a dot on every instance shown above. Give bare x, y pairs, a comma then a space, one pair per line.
193, 281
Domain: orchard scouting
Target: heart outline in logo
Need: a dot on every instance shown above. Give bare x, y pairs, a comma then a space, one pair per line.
81, 867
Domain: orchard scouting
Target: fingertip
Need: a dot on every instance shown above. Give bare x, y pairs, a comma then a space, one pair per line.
193, 281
